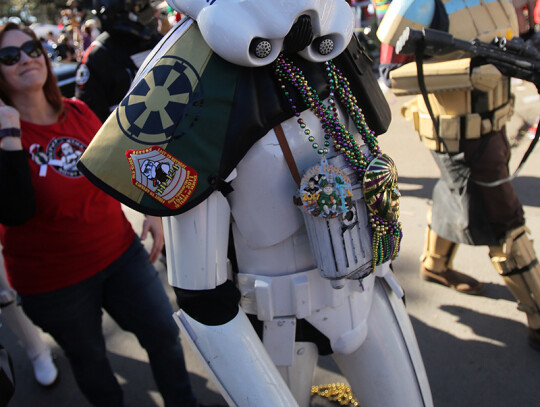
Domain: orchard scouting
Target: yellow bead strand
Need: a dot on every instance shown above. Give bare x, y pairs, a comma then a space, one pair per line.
338, 392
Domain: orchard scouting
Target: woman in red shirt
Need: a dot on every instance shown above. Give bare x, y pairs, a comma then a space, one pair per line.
69, 250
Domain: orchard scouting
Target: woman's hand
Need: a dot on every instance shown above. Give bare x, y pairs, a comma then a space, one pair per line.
153, 225
9, 118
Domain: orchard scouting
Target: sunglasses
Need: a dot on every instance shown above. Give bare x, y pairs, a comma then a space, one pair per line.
12, 55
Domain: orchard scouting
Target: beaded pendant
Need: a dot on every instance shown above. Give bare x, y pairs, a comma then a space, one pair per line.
382, 199
325, 190
375, 170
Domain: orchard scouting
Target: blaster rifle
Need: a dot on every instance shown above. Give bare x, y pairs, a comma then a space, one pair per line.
513, 58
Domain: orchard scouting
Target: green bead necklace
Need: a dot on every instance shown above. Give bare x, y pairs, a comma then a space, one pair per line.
375, 170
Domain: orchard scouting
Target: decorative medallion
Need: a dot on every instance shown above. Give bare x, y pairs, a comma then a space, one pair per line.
380, 188
325, 190
376, 170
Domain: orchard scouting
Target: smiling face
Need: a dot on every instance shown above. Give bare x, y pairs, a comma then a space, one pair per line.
28, 74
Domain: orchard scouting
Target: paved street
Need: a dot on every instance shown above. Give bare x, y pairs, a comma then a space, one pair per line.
474, 347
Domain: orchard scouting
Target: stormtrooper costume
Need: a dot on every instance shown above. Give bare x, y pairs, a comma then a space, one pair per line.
259, 315
277, 276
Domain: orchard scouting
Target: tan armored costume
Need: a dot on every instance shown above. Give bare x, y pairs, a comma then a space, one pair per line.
472, 104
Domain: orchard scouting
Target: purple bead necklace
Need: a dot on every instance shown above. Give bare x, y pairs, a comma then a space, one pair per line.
386, 234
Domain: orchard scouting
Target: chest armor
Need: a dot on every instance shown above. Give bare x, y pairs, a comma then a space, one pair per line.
481, 19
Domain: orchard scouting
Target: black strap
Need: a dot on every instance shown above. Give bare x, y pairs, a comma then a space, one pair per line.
419, 58
219, 184
522, 270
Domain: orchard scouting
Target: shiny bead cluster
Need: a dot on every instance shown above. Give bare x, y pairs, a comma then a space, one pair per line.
338, 392
351, 104
386, 239
386, 235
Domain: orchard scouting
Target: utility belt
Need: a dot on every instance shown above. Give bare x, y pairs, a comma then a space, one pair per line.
468, 103
453, 128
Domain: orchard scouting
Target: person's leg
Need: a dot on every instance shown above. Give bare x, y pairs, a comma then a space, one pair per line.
516, 261
514, 258
73, 316
135, 298
489, 161
39, 353
436, 263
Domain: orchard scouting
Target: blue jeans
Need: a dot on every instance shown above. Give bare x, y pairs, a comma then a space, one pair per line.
131, 292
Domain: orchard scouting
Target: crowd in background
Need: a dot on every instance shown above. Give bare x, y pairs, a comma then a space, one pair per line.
76, 28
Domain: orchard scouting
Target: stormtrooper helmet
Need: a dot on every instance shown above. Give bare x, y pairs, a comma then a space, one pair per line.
254, 32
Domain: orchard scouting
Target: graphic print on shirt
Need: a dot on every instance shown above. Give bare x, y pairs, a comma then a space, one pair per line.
61, 154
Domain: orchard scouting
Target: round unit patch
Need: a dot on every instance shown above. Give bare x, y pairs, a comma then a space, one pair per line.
163, 105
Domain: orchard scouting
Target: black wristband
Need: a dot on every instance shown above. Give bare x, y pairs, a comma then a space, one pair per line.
10, 132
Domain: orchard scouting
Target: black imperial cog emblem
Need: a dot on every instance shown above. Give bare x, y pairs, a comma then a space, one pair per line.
163, 105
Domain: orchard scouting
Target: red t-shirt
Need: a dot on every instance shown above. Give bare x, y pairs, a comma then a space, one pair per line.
77, 229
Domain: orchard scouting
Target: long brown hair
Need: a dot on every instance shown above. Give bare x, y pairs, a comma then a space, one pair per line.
51, 89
